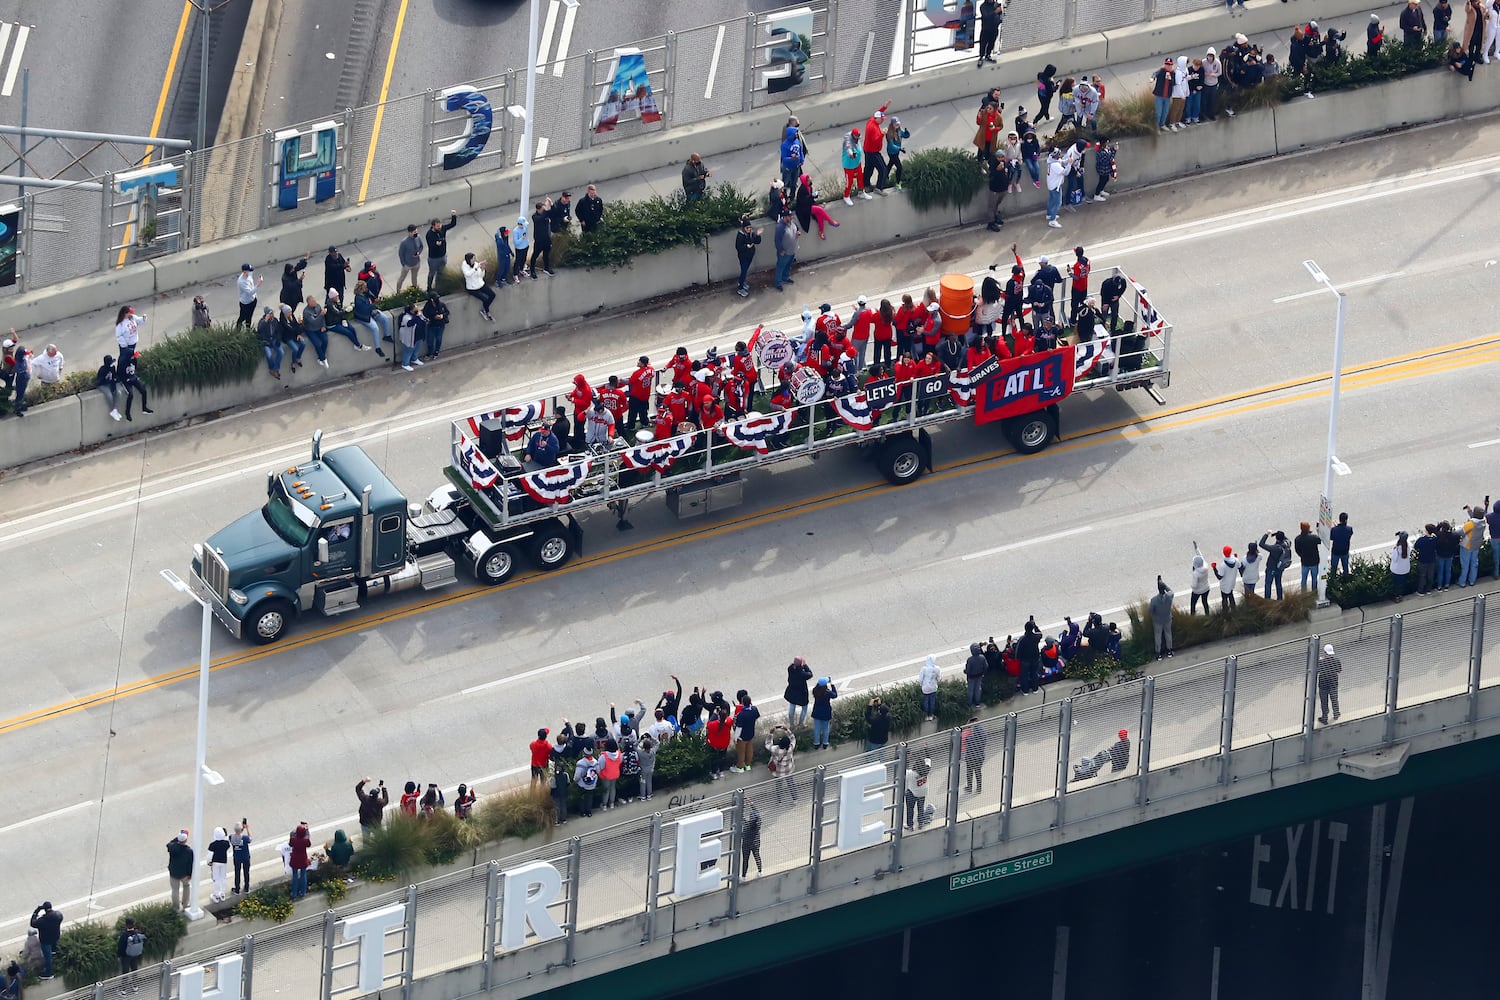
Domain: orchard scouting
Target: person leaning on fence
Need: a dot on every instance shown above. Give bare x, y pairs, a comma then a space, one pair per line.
750, 839
916, 793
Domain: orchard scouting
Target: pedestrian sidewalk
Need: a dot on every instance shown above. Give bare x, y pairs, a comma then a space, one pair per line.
85, 339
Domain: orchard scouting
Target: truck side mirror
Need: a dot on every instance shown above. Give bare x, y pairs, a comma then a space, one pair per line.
322, 550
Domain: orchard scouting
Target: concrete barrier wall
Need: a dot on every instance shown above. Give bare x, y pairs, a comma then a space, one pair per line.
65, 425
1190, 33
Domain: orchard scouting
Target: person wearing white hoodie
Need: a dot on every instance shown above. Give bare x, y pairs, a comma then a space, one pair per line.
928, 678
1199, 585
1227, 578
1179, 95
1057, 174
218, 864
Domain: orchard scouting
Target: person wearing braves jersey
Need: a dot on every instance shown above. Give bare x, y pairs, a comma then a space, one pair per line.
737, 394
599, 427
642, 381
682, 367
1079, 272
827, 320
677, 403
663, 427
614, 395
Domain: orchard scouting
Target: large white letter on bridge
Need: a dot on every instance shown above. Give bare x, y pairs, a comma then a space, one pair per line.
369, 930
693, 852
857, 802
527, 892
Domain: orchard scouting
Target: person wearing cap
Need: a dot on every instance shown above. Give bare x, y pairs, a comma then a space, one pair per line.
861, 324
1226, 578
1162, 82
560, 215
599, 425
180, 870
873, 147
793, 154
851, 158
247, 287
1079, 271
1414, 23
108, 384
335, 270
1119, 751
1329, 669
520, 238
745, 242
786, 249
437, 247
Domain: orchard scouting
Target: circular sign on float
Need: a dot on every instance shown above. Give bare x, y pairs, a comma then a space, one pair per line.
774, 348
807, 385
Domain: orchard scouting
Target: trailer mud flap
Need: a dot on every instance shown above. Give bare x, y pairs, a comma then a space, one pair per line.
576, 530
1055, 412
924, 439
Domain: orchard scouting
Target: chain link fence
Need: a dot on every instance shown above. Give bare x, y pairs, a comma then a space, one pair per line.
228, 188
402, 159
709, 78
1270, 686
1427, 638
62, 233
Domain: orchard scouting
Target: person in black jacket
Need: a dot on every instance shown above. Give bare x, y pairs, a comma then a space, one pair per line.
291, 335
989, 30
798, 673
1308, 547
48, 924
877, 724
1029, 652
745, 242
999, 183
128, 949
435, 312
291, 282
560, 215
590, 210
975, 668
1111, 292
335, 267
130, 380
437, 248
541, 239
371, 807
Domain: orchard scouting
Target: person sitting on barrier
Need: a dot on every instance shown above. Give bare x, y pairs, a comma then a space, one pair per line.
364, 313
1069, 640
1095, 635
336, 319
1119, 752
1053, 663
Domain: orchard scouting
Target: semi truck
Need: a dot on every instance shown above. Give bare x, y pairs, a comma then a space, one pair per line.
335, 531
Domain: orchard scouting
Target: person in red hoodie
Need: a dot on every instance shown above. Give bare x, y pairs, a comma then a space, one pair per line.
718, 732
873, 146
860, 326
541, 755
642, 381
581, 396
298, 861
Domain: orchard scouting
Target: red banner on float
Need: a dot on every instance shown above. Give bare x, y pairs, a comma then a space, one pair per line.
1024, 385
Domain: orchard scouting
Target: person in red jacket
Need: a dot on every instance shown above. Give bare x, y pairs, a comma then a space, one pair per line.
932, 329
663, 427
718, 732
909, 317
874, 150
614, 395
737, 396
642, 381
976, 354
1025, 341
1079, 271
541, 755
676, 403
884, 328
298, 861
827, 321
860, 326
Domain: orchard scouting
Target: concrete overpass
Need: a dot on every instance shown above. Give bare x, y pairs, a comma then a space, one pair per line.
1219, 750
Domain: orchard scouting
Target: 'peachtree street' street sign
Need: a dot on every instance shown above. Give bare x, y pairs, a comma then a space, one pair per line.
1003, 869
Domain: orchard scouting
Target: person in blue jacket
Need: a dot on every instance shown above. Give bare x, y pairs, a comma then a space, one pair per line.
793, 153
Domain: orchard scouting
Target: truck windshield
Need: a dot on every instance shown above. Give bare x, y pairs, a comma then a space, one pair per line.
288, 518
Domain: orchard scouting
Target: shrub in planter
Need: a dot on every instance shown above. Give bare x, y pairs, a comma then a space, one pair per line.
329, 880
85, 955
1128, 116
1369, 580
942, 177
448, 837
398, 847
518, 813
655, 225
163, 926
269, 902
683, 760
1251, 616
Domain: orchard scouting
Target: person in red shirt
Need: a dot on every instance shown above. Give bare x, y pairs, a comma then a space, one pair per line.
409, 798
718, 732
710, 413
996, 345
1025, 341
677, 404
702, 394
884, 330
614, 397
642, 381
908, 317
874, 150
828, 320
1079, 272
737, 396
682, 367
541, 756
742, 362
976, 354
664, 426
932, 328
860, 326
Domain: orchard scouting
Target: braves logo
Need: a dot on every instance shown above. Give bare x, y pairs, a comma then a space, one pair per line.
656, 455
752, 433
555, 485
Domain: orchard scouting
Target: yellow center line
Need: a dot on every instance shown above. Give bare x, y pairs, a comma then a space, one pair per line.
385, 88
1396, 369
161, 107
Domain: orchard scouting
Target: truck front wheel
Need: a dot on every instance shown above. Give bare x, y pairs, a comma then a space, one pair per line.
497, 565
268, 622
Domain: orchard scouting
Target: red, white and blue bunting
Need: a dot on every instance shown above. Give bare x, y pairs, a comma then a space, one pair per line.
555, 485
960, 389
481, 473
656, 456
517, 418
480, 418
1151, 323
751, 433
855, 410
1086, 356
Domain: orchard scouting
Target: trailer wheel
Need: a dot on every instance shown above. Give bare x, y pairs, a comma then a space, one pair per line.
901, 460
1032, 432
268, 622
552, 547
496, 565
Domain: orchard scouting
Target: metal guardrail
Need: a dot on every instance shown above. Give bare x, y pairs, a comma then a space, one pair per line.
1197, 713
464, 129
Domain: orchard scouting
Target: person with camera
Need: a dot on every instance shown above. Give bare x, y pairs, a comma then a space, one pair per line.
371, 806
877, 724
48, 924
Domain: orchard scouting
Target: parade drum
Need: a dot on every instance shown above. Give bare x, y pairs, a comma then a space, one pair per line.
686, 427
806, 385
644, 437
774, 348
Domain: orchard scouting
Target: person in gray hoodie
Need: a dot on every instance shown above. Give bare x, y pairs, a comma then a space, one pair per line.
1199, 582
1278, 557
786, 248
1161, 618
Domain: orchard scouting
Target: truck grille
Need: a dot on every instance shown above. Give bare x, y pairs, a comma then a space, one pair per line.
215, 573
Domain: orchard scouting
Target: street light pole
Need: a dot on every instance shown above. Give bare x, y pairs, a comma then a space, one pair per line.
200, 768
1331, 464
528, 135
207, 9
